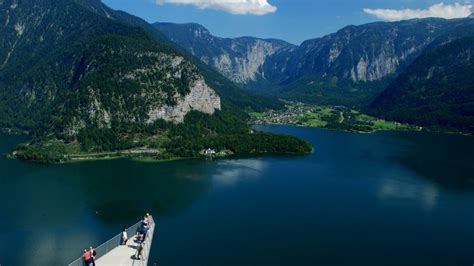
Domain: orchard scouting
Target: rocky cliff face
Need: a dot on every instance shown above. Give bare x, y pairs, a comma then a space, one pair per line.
164, 86
200, 98
364, 53
349, 67
247, 66
239, 59
360, 53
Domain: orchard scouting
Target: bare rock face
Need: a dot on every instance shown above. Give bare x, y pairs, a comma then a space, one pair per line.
168, 87
246, 66
240, 59
365, 53
201, 98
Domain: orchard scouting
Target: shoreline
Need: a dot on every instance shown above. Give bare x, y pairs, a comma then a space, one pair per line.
153, 155
347, 131
137, 158
372, 131
338, 118
91, 157
14, 131
145, 157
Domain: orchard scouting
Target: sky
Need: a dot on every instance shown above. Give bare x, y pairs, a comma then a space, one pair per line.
290, 20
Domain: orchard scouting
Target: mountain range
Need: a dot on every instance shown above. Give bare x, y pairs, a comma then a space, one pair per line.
240, 59
355, 67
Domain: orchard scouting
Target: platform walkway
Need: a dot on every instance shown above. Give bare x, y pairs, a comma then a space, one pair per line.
112, 253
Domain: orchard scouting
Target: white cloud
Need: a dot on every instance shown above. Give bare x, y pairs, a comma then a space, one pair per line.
440, 10
237, 7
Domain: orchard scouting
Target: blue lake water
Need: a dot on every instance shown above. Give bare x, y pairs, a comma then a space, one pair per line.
389, 198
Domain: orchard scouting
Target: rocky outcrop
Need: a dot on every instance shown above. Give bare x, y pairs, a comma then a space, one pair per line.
239, 59
246, 66
201, 98
168, 87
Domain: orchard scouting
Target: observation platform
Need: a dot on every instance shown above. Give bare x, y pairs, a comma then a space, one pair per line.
113, 253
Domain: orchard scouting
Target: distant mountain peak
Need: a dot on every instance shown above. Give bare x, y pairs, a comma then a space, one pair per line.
239, 59
196, 30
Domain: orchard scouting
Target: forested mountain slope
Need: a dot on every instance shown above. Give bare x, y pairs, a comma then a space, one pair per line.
436, 91
75, 70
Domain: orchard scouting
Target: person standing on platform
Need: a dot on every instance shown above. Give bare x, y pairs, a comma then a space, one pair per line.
144, 232
124, 236
140, 250
86, 257
93, 255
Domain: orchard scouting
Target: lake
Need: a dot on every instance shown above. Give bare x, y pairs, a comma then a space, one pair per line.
388, 198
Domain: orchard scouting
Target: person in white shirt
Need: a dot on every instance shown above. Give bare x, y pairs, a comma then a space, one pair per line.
124, 236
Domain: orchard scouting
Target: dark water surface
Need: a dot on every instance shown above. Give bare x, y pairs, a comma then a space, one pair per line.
392, 198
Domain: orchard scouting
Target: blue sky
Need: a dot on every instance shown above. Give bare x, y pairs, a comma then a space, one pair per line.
293, 20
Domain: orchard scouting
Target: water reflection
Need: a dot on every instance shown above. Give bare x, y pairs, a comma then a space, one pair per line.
441, 159
43, 247
426, 194
230, 172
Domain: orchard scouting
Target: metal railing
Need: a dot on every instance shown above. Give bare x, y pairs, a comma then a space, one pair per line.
116, 241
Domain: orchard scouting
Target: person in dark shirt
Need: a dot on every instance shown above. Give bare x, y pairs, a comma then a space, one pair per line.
144, 232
